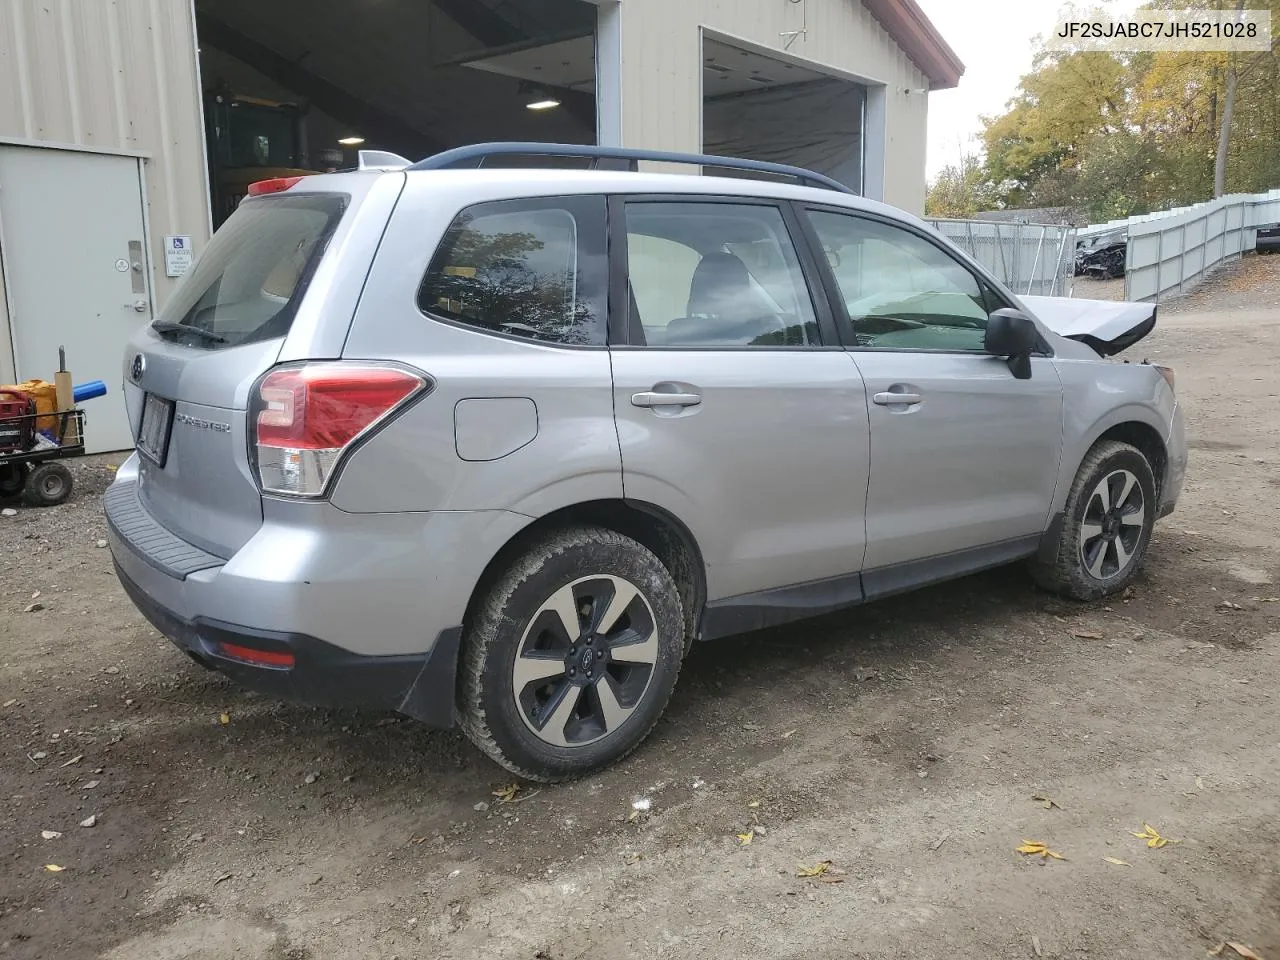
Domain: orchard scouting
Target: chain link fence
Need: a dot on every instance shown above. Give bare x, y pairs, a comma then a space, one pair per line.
1033, 259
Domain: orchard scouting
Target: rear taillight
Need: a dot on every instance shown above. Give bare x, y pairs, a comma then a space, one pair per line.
274, 185
305, 418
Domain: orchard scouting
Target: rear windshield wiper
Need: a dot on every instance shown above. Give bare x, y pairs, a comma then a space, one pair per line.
164, 327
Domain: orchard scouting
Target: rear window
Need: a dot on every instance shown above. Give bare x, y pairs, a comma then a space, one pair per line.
253, 274
533, 269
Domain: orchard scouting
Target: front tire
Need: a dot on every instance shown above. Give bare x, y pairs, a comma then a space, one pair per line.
572, 655
1106, 527
48, 485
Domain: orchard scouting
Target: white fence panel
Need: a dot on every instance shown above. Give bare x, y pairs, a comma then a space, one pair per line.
1170, 251
1035, 259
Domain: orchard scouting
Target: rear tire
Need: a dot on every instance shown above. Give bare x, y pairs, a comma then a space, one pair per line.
48, 485
1106, 527
13, 477
572, 655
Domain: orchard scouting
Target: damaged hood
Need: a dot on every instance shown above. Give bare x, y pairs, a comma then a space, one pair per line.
1107, 326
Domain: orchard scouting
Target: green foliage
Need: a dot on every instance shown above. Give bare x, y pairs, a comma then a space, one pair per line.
1121, 134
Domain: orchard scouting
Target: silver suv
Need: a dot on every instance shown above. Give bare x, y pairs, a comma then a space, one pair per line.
496, 446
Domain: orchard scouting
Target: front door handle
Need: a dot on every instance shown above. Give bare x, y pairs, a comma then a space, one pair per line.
888, 398
652, 398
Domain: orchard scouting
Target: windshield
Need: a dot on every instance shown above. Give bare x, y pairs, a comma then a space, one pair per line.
249, 282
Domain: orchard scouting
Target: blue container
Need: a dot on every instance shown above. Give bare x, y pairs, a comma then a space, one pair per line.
87, 391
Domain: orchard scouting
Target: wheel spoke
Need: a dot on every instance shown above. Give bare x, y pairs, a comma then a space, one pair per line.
1094, 562
623, 593
531, 668
1103, 493
1089, 530
612, 713
1122, 555
1130, 481
636, 648
1135, 517
552, 728
566, 608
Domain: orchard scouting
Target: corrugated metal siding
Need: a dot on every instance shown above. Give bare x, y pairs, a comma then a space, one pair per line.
113, 75
662, 70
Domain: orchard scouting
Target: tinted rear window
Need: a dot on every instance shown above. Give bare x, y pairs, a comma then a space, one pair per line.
249, 281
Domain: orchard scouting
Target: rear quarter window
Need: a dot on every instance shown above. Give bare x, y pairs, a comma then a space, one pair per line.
531, 269
252, 276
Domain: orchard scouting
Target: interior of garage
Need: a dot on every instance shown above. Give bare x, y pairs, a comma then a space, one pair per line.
765, 108
294, 86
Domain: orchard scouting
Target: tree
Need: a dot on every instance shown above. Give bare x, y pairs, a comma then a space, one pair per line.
960, 190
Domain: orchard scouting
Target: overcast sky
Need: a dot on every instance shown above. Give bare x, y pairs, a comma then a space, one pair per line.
994, 41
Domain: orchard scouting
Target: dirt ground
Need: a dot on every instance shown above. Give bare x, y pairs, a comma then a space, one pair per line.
903, 743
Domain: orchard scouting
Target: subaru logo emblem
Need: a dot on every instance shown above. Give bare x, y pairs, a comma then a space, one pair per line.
138, 368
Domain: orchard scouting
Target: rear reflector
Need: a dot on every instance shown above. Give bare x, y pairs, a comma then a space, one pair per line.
262, 658
275, 185
306, 417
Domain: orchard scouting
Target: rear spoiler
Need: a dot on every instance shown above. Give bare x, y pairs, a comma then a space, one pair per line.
1106, 326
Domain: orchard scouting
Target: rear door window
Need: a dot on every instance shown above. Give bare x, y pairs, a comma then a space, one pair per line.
253, 274
533, 269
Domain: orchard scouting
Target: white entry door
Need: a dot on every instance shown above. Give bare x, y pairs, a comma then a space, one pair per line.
75, 268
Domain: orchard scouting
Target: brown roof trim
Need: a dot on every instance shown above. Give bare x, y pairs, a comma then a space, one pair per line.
919, 39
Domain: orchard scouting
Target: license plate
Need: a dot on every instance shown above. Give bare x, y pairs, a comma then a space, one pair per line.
153, 435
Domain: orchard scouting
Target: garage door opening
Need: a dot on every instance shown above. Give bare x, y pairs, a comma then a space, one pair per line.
295, 86
758, 107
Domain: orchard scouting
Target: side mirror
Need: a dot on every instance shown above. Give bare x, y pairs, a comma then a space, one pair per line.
1013, 335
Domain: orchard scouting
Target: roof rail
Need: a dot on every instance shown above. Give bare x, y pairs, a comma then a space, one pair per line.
476, 154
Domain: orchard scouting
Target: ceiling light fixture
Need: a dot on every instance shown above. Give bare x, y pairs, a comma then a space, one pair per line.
351, 141
545, 103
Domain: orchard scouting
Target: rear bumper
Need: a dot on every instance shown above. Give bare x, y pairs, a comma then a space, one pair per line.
419, 685
369, 605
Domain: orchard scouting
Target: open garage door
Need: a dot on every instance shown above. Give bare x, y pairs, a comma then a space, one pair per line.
294, 86
762, 108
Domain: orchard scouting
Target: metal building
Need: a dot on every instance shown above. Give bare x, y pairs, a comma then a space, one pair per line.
130, 128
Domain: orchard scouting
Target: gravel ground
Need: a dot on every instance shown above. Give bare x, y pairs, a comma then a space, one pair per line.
903, 743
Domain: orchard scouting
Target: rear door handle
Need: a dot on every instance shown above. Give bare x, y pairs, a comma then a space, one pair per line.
888, 398
651, 398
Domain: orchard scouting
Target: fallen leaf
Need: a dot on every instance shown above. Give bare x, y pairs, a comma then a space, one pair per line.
9, 703
1243, 951
54, 868
508, 793
225, 876
1266, 599
817, 870
1047, 802
1035, 946
75, 759
1199, 783
1117, 861
744, 839
937, 844
224, 718
753, 804
787, 734
633, 816
632, 858
1086, 635
1034, 848
1153, 838
417, 840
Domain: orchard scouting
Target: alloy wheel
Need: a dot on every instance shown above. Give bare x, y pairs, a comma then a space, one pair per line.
585, 661
1113, 525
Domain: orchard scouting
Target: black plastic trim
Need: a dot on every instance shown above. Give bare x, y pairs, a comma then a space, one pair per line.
901, 577
419, 685
772, 608
1047, 552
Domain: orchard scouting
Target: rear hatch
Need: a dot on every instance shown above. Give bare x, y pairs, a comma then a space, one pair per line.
269, 275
